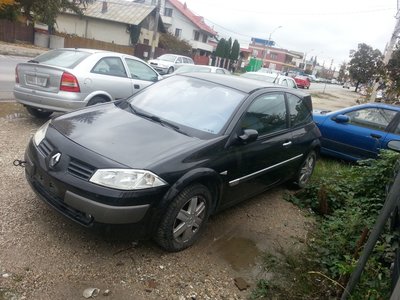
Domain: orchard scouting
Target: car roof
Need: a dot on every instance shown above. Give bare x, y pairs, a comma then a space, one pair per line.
270, 75
242, 84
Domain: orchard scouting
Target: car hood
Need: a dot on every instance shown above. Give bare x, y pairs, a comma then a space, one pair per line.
123, 136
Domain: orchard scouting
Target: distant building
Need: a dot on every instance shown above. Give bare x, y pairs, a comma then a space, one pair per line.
274, 58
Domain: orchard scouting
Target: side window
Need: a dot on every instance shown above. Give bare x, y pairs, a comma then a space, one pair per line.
179, 60
185, 60
292, 84
374, 118
284, 82
139, 70
190, 60
112, 66
267, 114
298, 111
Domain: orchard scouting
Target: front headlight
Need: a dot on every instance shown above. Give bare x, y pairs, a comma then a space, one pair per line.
126, 179
41, 133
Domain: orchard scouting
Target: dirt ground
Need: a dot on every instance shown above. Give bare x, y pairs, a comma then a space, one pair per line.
45, 256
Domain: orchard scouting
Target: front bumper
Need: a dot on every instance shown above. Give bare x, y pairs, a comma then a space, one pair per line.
82, 201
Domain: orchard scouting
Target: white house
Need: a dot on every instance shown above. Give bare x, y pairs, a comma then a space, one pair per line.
180, 21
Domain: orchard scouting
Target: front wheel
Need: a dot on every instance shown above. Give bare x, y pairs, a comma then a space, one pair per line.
306, 169
38, 112
184, 219
170, 70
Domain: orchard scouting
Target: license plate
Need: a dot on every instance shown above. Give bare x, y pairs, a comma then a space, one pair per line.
36, 80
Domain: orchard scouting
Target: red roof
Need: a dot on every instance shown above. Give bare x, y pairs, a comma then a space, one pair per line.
197, 20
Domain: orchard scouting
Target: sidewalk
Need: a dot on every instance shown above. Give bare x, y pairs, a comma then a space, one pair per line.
21, 49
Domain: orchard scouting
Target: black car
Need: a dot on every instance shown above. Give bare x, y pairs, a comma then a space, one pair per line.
175, 153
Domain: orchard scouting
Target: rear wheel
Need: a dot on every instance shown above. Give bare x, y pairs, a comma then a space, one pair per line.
96, 100
38, 112
306, 169
184, 219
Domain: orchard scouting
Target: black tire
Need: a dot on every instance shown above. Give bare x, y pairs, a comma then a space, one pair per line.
38, 112
186, 215
170, 70
96, 100
306, 169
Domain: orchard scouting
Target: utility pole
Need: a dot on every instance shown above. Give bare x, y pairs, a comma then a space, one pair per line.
155, 30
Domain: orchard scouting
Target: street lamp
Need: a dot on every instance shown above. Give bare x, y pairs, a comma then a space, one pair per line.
269, 41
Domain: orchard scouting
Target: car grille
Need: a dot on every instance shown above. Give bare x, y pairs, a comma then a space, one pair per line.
45, 147
80, 169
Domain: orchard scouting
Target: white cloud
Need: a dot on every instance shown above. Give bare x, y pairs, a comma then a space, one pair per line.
330, 29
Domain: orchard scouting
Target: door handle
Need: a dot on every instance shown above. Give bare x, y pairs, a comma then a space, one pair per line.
376, 136
136, 86
287, 144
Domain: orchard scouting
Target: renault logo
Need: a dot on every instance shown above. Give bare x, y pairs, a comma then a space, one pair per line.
54, 159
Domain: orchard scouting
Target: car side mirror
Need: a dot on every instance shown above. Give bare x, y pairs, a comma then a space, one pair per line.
248, 136
341, 119
394, 145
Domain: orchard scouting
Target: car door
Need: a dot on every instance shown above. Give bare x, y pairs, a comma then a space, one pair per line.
141, 74
361, 137
109, 75
260, 164
179, 62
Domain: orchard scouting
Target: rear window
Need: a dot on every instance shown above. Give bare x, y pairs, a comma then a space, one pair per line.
62, 58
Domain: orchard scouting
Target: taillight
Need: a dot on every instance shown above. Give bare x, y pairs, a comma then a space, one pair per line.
69, 83
16, 75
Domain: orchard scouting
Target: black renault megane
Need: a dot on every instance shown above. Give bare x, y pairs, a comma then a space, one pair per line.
173, 154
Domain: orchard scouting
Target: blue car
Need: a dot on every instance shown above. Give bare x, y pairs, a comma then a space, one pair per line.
358, 132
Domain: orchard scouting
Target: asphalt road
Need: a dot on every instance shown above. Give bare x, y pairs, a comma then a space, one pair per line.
7, 75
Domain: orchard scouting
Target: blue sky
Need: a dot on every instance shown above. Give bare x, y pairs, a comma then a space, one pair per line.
326, 29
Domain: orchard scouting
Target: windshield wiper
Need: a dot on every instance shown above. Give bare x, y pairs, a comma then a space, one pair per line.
156, 119
33, 61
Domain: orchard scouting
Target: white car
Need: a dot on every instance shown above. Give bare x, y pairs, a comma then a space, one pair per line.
168, 63
201, 69
272, 78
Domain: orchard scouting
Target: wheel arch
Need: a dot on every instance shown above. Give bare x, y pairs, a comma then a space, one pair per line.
103, 94
205, 176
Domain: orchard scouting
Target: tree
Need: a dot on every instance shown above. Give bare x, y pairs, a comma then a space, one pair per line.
235, 50
364, 64
46, 11
227, 52
342, 72
219, 52
173, 44
7, 10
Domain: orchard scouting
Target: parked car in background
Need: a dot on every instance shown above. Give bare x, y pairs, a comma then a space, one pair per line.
168, 63
201, 69
302, 81
268, 70
358, 132
272, 78
173, 154
347, 85
67, 79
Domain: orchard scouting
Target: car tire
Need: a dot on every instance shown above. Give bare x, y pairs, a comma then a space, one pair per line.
170, 70
38, 112
306, 169
184, 219
96, 100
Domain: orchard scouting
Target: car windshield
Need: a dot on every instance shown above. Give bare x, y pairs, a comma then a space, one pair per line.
191, 102
167, 57
193, 68
62, 58
259, 77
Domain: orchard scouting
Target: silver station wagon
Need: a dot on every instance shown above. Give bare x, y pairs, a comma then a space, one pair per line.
67, 79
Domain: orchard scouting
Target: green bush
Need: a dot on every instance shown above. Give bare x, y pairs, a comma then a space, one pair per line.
348, 199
